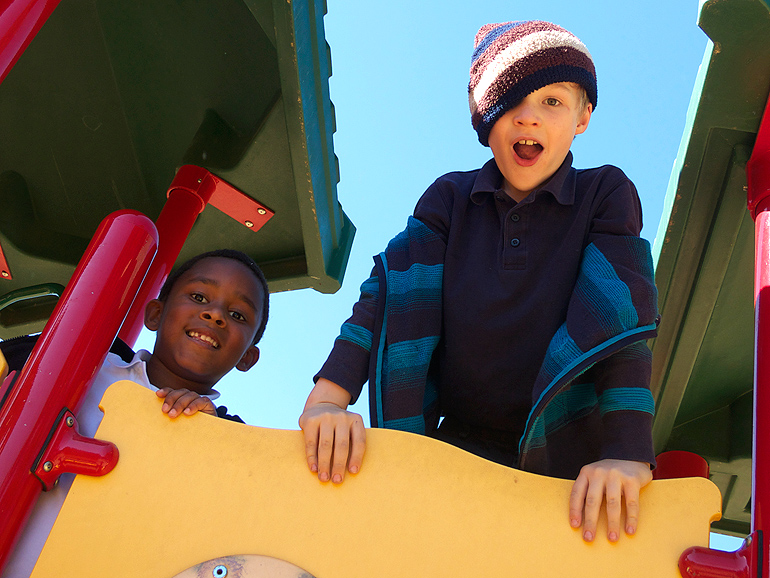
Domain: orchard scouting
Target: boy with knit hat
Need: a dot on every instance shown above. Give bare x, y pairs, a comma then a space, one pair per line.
517, 302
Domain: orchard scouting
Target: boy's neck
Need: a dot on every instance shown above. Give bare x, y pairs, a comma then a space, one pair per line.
514, 193
161, 376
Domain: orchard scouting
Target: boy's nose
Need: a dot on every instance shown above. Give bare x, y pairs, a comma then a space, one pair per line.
215, 315
525, 114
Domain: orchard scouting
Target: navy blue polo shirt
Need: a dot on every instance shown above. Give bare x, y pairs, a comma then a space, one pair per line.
509, 272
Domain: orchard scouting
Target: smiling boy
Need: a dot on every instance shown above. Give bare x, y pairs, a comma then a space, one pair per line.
517, 302
209, 316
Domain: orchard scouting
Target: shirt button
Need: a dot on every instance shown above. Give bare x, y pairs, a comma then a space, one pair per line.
515, 218
514, 242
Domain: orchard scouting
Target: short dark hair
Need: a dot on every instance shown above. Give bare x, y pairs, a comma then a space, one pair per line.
227, 254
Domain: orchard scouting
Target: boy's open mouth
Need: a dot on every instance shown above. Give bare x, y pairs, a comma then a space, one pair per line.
205, 338
528, 149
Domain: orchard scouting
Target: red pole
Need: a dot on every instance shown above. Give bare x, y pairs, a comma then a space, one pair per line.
188, 195
758, 180
68, 354
752, 559
20, 21
760, 494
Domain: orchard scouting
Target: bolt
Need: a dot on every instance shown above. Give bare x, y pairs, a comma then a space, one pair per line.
200, 180
48, 466
249, 224
6, 274
261, 211
70, 421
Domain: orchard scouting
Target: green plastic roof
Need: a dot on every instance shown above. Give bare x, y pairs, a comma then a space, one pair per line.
112, 97
704, 251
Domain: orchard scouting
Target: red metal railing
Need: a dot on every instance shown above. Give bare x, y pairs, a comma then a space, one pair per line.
20, 21
65, 360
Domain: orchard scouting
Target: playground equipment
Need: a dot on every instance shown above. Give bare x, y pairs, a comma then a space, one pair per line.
243, 122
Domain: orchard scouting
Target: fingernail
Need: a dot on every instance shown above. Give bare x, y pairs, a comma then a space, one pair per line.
172, 413
314, 468
613, 537
324, 477
337, 478
165, 407
187, 410
353, 469
630, 530
588, 536
574, 522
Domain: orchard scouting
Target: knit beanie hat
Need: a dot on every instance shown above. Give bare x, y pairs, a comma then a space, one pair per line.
513, 59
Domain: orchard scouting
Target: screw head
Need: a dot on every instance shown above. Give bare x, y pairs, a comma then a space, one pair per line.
249, 224
261, 211
70, 421
48, 466
5, 274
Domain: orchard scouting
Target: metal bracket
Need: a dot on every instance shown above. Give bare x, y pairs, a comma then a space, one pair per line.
66, 451
224, 196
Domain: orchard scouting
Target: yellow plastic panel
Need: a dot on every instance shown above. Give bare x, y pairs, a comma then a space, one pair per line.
200, 488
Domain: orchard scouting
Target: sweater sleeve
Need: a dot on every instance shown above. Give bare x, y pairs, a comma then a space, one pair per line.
348, 362
623, 379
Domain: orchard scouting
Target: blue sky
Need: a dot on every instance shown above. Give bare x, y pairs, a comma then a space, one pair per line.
399, 87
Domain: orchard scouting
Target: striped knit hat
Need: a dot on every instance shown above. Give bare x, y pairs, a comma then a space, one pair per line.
513, 59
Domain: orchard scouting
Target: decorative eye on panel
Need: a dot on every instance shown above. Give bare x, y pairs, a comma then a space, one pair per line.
220, 571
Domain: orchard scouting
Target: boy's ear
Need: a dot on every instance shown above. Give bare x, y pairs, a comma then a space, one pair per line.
152, 314
249, 359
584, 119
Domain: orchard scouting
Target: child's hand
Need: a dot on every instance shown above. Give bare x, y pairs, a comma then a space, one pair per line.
334, 438
179, 401
618, 479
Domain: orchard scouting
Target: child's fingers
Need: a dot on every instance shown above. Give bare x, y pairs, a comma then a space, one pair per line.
178, 400
358, 445
325, 449
593, 505
201, 404
577, 500
341, 449
311, 446
613, 497
631, 492
170, 397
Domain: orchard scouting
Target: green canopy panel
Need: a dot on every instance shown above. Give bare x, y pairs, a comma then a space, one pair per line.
112, 97
704, 251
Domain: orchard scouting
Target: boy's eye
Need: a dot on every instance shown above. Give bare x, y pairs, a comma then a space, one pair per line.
552, 101
198, 297
238, 316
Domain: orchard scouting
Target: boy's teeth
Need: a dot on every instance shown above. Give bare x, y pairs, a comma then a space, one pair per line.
527, 142
205, 338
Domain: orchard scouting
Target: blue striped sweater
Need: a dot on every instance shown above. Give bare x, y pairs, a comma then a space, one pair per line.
613, 310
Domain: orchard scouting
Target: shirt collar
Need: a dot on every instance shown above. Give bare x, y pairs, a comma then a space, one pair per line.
143, 356
490, 180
